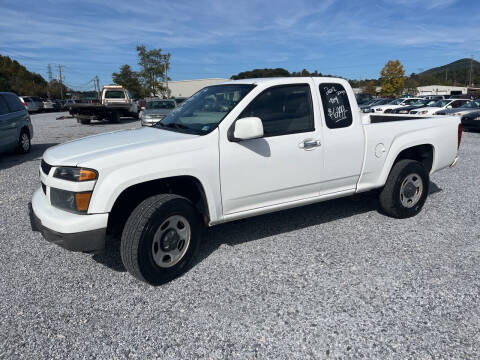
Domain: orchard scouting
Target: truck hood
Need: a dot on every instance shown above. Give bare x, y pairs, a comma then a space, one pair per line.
108, 145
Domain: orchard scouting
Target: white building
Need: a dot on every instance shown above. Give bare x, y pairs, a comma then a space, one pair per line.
186, 88
441, 90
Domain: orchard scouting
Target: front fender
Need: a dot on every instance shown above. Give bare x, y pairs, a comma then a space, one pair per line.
202, 165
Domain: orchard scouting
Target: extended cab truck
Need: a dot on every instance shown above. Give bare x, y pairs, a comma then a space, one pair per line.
115, 102
231, 151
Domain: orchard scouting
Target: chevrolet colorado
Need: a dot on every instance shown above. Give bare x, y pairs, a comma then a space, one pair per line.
234, 150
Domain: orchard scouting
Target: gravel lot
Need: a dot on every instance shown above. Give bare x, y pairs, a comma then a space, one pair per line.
332, 280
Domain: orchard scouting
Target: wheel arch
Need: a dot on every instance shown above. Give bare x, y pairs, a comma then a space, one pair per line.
187, 186
422, 152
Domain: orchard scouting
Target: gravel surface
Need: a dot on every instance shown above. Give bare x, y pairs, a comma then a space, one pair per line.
332, 280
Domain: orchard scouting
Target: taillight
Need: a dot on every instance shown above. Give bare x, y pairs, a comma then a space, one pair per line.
459, 135
24, 104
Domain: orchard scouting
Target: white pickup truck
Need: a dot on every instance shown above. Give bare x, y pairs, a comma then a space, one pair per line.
234, 150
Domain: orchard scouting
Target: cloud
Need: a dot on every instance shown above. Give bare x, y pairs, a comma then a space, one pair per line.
97, 37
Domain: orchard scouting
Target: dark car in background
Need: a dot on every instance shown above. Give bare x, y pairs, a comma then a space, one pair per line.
471, 121
16, 130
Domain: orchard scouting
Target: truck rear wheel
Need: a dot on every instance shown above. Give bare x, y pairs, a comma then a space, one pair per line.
406, 189
160, 238
114, 117
84, 121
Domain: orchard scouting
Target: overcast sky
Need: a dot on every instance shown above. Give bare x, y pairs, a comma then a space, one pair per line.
218, 38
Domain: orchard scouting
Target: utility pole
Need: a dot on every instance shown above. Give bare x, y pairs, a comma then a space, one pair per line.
97, 85
471, 67
60, 78
49, 72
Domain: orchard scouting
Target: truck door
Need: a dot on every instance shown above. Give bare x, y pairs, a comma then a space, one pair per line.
286, 164
344, 143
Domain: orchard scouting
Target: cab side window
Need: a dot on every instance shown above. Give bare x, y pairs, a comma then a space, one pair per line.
336, 106
3, 106
285, 109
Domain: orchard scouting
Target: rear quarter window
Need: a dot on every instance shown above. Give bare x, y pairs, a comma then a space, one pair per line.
114, 94
336, 107
3, 106
13, 102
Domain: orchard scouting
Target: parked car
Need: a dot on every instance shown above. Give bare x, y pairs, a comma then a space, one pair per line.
233, 150
394, 104
67, 104
416, 105
377, 101
468, 107
155, 110
48, 105
32, 103
16, 130
471, 121
439, 105
57, 105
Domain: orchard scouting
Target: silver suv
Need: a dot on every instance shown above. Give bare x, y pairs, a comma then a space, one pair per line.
32, 103
16, 130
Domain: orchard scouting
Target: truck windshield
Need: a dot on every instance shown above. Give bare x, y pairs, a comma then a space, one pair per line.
114, 94
160, 105
201, 113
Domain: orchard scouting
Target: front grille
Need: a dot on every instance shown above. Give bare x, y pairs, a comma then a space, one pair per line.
45, 167
156, 116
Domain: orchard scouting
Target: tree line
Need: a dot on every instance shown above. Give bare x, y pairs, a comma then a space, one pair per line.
152, 77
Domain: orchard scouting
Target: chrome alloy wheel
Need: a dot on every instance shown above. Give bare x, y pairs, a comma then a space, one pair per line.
411, 190
171, 241
25, 141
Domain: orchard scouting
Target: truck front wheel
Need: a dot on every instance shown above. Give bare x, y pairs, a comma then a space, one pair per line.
406, 189
160, 238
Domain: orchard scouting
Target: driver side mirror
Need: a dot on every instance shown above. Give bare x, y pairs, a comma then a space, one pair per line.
247, 128
449, 106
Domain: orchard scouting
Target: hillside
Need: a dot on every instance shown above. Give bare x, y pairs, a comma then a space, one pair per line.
16, 78
456, 73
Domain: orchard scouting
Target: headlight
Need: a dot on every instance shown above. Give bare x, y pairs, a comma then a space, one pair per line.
459, 114
423, 112
477, 118
75, 174
70, 201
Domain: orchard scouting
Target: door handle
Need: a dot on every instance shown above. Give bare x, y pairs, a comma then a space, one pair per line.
309, 144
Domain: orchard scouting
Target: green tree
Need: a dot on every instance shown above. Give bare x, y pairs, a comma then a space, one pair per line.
129, 80
154, 67
392, 78
370, 88
56, 88
261, 73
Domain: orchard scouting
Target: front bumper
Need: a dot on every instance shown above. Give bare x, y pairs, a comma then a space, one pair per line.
70, 231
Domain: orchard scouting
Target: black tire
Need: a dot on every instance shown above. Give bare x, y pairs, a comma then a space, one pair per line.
134, 115
390, 196
114, 117
24, 142
137, 242
85, 121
